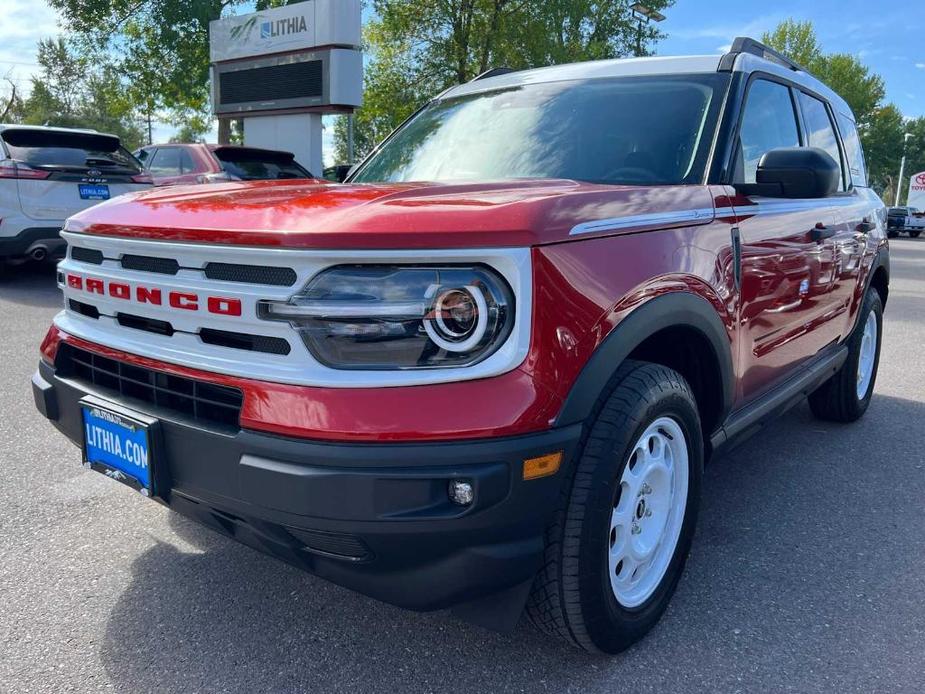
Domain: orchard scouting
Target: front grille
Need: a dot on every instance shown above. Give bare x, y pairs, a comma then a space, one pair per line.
151, 325
203, 402
334, 544
87, 255
83, 309
253, 343
252, 274
226, 272
147, 263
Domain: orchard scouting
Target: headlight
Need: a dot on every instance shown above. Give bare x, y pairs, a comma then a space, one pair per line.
400, 317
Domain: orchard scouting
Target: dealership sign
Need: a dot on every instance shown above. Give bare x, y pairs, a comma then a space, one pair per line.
302, 26
917, 190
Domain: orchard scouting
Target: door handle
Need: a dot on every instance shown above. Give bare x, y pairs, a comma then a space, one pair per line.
821, 232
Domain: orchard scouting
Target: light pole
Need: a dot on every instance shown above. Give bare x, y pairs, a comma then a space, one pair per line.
643, 14
902, 169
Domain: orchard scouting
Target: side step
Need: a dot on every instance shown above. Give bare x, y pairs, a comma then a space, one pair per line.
750, 419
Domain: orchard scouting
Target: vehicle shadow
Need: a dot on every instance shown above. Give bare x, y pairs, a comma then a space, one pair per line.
807, 553
30, 285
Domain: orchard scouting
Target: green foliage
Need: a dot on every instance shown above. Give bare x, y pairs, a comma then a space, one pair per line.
73, 91
11, 103
881, 126
842, 72
418, 48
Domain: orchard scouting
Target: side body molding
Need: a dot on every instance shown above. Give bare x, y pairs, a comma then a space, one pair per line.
676, 309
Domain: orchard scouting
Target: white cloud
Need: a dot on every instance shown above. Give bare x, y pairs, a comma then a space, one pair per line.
34, 20
727, 32
920, 66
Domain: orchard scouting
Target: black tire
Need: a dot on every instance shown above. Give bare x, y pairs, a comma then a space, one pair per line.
892, 234
915, 234
837, 400
572, 596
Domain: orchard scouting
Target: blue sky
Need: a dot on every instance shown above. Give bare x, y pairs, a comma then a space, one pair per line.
887, 35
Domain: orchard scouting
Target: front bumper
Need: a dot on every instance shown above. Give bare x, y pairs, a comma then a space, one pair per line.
372, 517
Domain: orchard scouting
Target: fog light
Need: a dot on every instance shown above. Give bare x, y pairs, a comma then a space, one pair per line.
461, 492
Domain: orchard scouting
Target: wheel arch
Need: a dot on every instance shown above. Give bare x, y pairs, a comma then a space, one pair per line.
678, 330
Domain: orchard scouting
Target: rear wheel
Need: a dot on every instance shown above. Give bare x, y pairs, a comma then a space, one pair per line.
846, 396
618, 546
915, 233
892, 234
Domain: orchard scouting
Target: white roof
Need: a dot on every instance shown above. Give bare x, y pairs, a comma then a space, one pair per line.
620, 67
656, 65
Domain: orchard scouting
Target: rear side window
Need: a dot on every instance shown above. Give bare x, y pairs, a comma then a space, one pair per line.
166, 162
768, 122
69, 151
853, 151
186, 162
259, 165
819, 129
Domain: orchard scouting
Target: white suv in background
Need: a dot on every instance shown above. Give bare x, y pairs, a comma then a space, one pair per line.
48, 174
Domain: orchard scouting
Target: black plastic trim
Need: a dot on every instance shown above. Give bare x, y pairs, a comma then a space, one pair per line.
667, 311
749, 419
374, 517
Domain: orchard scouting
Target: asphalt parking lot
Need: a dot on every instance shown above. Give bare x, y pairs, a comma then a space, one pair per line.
808, 570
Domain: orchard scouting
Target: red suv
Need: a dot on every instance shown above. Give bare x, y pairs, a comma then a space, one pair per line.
173, 164
487, 371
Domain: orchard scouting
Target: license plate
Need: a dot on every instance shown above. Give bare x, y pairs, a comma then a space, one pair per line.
118, 446
93, 191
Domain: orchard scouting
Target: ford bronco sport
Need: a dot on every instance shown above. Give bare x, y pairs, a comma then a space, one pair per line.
485, 373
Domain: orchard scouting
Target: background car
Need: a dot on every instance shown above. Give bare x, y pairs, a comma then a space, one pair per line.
47, 175
336, 173
173, 164
908, 219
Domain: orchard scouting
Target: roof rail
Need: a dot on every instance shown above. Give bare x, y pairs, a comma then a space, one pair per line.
744, 44
493, 72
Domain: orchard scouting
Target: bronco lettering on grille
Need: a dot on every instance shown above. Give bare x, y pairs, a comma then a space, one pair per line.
187, 301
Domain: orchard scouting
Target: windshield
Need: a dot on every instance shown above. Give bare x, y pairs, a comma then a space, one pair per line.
69, 151
631, 130
259, 165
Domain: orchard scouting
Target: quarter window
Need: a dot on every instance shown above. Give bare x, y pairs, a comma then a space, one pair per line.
819, 130
768, 122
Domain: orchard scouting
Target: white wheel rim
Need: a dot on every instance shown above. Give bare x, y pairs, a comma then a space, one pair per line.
868, 353
648, 512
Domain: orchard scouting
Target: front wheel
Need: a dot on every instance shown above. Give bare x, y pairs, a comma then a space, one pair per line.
915, 233
618, 546
846, 396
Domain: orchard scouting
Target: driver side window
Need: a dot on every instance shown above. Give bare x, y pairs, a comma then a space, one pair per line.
768, 122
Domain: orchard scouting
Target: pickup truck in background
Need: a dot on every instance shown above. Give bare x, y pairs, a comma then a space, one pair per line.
908, 219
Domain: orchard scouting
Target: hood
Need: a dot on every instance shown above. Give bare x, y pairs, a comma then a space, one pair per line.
300, 214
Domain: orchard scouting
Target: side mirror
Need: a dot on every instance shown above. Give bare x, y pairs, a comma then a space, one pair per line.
794, 172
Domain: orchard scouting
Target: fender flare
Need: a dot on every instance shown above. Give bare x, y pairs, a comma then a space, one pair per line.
676, 309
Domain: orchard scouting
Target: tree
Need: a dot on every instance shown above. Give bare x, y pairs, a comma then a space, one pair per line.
844, 73
71, 90
11, 103
162, 45
881, 126
419, 48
